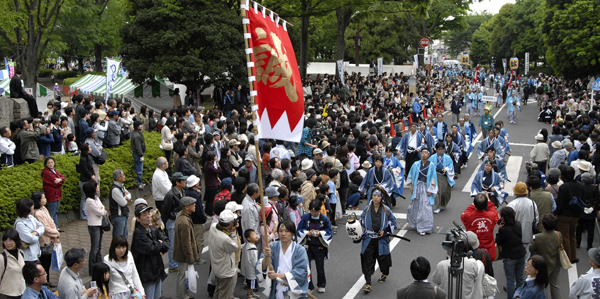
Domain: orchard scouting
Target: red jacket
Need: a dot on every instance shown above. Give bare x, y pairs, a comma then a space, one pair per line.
482, 223
52, 190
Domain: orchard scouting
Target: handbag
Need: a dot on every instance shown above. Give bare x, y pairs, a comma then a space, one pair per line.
490, 286
576, 204
166, 145
101, 159
564, 258
105, 224
534, 228
48, 249
133, 292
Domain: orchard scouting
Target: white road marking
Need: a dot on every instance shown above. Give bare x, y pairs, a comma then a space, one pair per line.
517, 144
467, 187
572, 273
400, 215
513, 165
361, 281
205, 249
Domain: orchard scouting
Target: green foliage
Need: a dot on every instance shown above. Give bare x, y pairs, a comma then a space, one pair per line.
573, 39
72, 80
480, 46
458, 41
22, 180
45, 73
184, 40
66, 74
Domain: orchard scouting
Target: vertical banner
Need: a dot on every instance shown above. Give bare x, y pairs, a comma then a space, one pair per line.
11, 69
514, 63
504, 64
464, 59
426, 59
340, 66
279, 98
379, 66
415, 64
526, 63
112, 67
476, 79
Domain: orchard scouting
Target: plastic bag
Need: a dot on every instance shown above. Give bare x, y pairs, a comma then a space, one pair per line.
191, 277
57, 257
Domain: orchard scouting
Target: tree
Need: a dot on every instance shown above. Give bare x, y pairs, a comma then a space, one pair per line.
195, 42
77, 31
480, 46
34, 21
500, 39
458, 41
572, 37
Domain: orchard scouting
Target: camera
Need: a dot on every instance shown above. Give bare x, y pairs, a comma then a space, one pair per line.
457, 245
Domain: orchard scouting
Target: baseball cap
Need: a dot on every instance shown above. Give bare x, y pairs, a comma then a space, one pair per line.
142, 209
227, 216
140, 201
233, 206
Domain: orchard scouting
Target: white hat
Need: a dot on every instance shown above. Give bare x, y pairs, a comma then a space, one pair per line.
539, 137
317, 151
233, 206
191, 181
307, 164
227, 216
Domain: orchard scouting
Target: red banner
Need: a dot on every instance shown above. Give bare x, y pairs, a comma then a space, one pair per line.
476, 75
278, 86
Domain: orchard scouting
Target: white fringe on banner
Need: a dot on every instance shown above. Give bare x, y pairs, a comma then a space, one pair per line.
249, 51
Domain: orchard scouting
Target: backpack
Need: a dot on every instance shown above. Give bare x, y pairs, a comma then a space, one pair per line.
283, 212
223, 195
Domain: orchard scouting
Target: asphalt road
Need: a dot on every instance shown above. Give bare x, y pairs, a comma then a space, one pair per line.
343, 271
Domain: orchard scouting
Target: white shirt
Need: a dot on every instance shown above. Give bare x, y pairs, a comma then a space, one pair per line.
281, 152
161, 184
412, 141
7, 146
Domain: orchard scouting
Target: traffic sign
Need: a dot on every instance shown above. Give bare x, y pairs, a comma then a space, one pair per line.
596, 85
443, 57
424, 42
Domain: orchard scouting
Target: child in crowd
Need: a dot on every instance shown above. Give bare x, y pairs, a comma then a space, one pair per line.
248, 265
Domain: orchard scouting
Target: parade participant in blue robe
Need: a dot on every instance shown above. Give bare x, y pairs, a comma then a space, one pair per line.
422, 180
514, 104
498, 165
395, 167
489, 181
503, 143
377, 221
440, 128
314, 233
428, 132
452, 149
288, 275
491, 141
444, 166
379, 176
416, 107
410, 145
504, 134
467, 128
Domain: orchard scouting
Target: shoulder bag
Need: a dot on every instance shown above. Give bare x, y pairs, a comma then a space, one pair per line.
565, 262
134, 293
105, 223
576, 203
534, 228
166, 145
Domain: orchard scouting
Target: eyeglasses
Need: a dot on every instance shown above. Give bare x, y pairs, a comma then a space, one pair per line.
43, 274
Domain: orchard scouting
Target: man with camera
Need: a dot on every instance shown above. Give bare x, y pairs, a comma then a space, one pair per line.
472, 269
27, 135
17, 91
481, 218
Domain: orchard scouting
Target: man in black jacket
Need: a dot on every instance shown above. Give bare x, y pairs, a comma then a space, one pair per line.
147, 247
138, 148
171, 207
567, 217
17, 91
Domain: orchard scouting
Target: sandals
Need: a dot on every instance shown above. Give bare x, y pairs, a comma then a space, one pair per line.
367, 288
382, 278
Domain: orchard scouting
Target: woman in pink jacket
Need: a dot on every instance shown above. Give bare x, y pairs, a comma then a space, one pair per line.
51, 234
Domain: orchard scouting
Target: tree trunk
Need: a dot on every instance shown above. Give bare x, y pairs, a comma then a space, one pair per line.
304, 46
98, 55
343, 19
80, 64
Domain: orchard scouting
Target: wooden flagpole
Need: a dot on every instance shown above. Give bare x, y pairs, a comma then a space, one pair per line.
244, 14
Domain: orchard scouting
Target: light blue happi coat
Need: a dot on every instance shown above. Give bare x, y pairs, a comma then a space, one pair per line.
447, 164
501, 168
496, 180
432, 186
393, 164
369, 182
297, 278
485, 144
388, 222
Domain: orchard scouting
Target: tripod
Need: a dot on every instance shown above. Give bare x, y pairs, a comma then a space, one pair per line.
455, 281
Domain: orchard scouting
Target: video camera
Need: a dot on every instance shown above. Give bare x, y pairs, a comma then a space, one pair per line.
456, 243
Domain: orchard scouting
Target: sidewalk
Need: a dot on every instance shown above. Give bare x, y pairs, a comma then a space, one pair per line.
76, 235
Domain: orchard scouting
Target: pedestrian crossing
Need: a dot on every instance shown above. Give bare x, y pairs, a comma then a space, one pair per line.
513, 164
